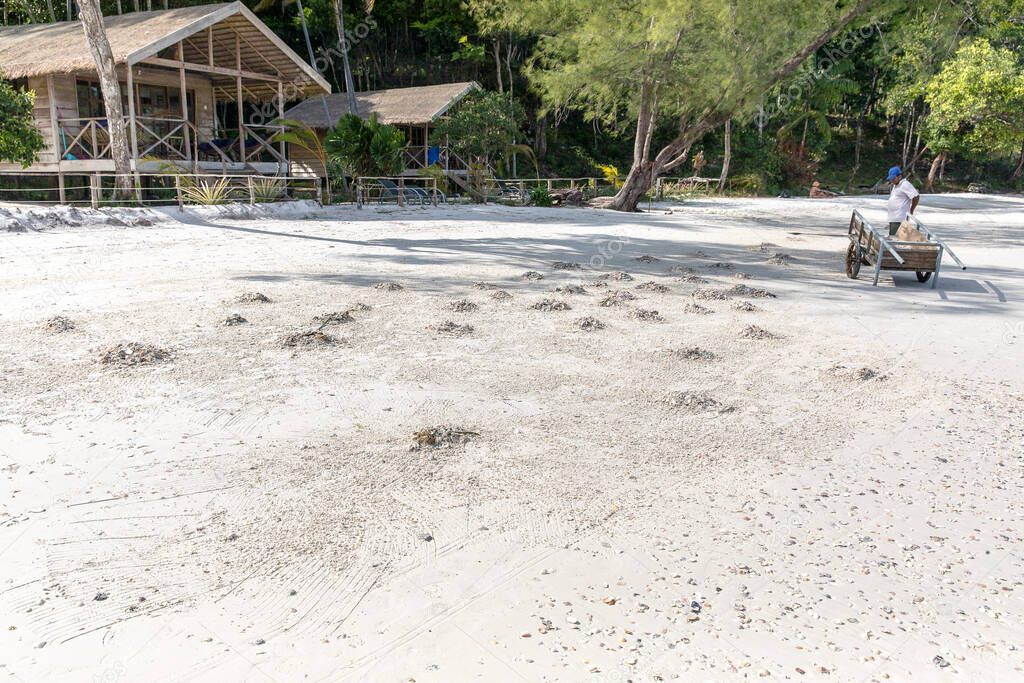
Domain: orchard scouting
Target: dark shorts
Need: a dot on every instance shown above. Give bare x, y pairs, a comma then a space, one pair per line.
894, 228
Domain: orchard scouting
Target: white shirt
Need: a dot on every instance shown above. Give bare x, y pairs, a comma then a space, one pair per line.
900, 200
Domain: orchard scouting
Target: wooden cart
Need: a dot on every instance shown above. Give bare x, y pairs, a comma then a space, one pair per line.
868, 246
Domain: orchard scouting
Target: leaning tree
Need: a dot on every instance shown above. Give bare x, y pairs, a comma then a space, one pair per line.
679, 68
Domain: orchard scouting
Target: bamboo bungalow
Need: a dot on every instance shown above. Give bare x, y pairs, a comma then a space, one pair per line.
205, 84
413, 110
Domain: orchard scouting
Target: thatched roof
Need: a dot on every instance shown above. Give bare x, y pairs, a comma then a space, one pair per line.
410, 106
41, 49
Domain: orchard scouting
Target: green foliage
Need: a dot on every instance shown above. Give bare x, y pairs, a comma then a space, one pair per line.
539, 196
823, 94
20, 140
469, 51
298, 134
266, 189
205, 192
366, 148
977, 102
437, 173
699, 55
611, 175
748, 184
481, 129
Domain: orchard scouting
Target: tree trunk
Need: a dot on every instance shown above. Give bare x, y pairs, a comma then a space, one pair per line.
1019, 171
644, 171
497, 65
857, 147
641, 174
540, 139
96, 36
49, 8
929, 185
509, 53
350, 87
727, 158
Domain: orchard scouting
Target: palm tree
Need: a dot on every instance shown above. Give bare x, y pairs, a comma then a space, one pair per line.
92, 23
350, 89
267, 4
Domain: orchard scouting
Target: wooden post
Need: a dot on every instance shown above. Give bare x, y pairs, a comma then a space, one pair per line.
58, 151
401, 191
186, 132
435, 191
132, 130
94, 201
177, 192
252, 195
209, 46
54, 123
238, 98
280, 115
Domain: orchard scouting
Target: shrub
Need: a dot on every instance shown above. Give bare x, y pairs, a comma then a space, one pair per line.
366, 148
266, 190
539, 196
748, 184
205, 192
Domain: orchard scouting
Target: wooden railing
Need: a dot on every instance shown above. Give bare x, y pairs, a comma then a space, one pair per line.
162, 138
259, 143
84, 139
417, 156
171, 139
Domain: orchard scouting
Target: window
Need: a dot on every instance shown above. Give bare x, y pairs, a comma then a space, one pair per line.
90, 100
155, 101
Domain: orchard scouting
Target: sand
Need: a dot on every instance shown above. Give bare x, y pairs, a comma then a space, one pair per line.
669, 501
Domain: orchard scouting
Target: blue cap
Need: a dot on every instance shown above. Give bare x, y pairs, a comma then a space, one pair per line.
893, 172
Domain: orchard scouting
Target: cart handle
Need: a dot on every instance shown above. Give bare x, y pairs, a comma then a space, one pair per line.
878, 236
934, 238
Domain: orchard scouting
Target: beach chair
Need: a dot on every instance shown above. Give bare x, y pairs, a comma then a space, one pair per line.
511, 190
389, 190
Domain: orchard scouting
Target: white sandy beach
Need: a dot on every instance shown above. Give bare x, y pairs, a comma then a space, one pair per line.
823, 484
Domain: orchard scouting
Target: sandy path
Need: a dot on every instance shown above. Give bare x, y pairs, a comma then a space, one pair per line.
247, 510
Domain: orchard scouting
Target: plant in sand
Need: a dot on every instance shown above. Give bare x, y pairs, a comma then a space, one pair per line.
205, 192
611, 175
266, 189
539, 196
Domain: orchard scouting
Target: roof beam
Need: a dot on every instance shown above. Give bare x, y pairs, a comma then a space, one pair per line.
204, 68
260, 54
219, 15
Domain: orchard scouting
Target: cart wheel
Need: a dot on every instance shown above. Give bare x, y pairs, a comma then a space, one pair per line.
923, 277
853, 259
